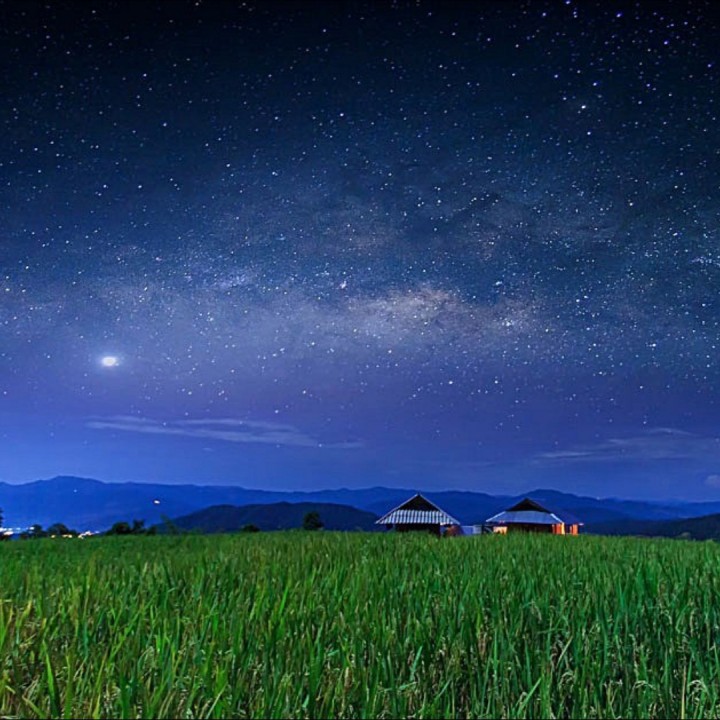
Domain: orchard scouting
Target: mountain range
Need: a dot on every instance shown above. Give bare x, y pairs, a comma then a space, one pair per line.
86, 504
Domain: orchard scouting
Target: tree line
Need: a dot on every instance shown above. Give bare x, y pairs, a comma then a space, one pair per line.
311, 521
37, 531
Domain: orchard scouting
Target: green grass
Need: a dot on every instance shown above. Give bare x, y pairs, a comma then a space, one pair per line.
333, 625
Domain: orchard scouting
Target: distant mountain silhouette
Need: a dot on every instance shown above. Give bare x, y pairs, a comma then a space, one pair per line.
705, 527
88, 504
275, 516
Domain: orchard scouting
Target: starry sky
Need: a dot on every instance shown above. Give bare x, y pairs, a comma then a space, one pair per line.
316, 245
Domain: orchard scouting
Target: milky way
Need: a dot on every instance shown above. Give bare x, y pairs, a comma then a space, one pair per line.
313, 245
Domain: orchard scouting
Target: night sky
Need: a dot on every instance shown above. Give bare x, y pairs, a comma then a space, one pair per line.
303, 246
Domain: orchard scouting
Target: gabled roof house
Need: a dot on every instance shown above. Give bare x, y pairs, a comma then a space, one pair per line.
418, 513
530, 516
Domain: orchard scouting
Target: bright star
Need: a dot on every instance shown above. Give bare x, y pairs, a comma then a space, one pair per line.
109, 361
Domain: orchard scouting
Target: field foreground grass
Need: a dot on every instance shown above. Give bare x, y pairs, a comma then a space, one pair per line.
359, 625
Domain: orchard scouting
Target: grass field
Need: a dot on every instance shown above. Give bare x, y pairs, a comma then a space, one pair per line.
359, 625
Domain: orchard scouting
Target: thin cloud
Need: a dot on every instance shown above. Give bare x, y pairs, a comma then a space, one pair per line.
235, 422
659, 443
224, 429
713, 481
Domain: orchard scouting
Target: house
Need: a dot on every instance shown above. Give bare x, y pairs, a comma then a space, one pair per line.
530, 516
418, 513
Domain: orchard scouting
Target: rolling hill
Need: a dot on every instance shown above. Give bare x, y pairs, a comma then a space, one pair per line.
706, 527
275, 516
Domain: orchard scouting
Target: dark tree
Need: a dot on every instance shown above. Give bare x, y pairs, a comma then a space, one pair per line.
60, 529
250, 528
3, 536
138, 527
120, 528
312, 521
33, 533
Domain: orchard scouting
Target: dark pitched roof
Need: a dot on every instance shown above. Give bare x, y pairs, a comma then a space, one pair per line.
531, 512
417, 510
527, 504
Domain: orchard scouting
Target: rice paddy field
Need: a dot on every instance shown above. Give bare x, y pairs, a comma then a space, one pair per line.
359, 625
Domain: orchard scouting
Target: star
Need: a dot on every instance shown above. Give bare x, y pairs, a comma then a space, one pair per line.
517, 249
